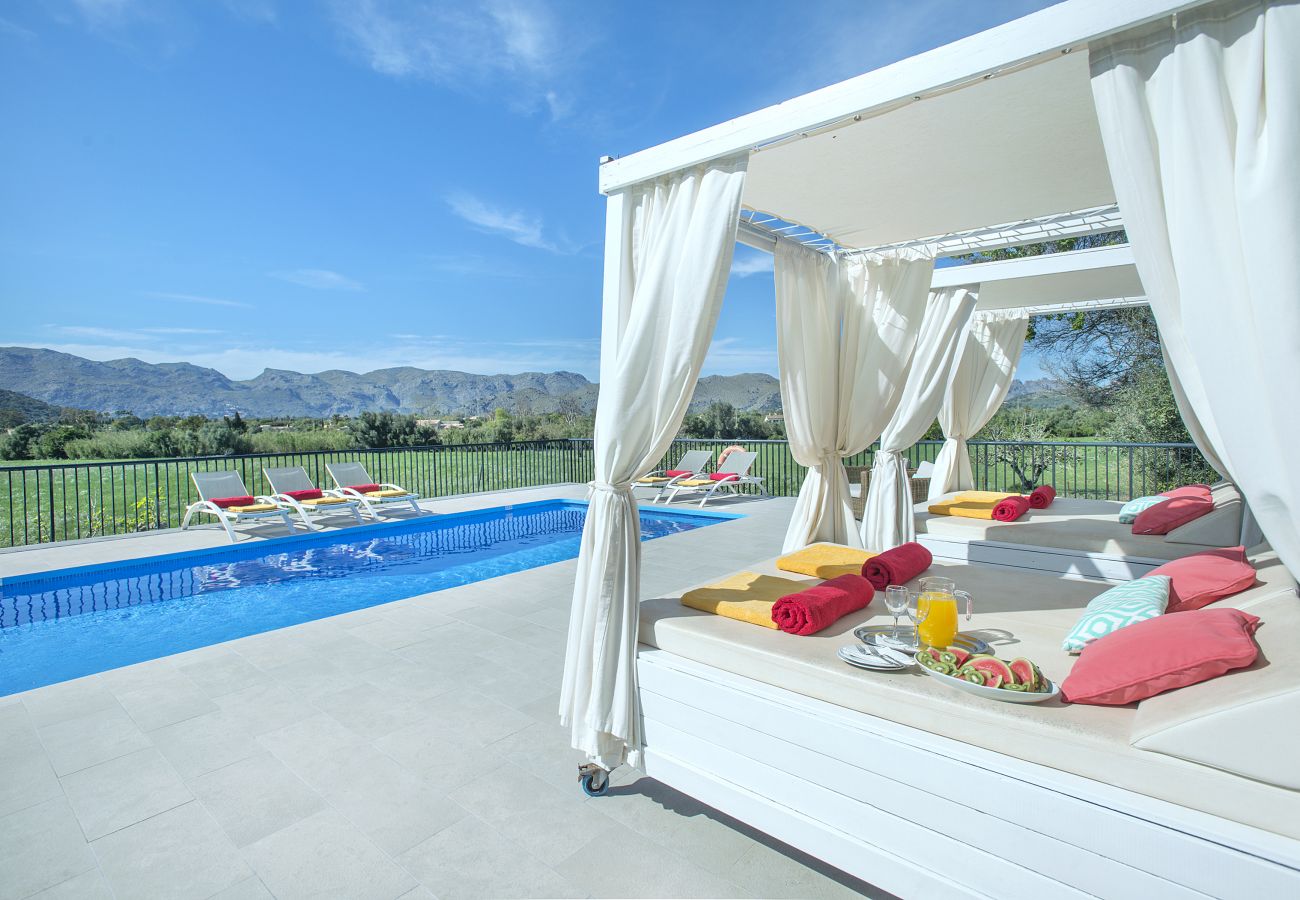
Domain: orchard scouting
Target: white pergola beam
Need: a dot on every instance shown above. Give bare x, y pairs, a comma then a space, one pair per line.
1017, 43
1034, 266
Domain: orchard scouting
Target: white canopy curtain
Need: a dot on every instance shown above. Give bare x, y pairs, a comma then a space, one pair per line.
846, 332
668, 254
976, 389
889, 519
1200, 117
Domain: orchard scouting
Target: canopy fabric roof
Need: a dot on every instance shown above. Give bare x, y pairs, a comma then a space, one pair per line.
1015, 146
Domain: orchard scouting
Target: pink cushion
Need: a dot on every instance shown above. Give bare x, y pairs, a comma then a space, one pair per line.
365, 488
312, 494
227, 502
722, 476
1202, 578
1165, 517
673, 473
1189, 490
1161, 654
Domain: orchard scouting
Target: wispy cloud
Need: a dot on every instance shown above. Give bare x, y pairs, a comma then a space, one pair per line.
732, 356
515, 225
16, 30
319, 279
195, 298
467, 45
744, 264
96, 332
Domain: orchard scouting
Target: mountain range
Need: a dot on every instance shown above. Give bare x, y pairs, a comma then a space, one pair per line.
149, 389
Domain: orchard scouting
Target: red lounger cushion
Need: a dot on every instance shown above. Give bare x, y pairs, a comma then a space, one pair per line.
673, 473
721, 476
812, 610
1165, 517
1202, 578
313, 494
365, 488
1189, 490
227, 502
1161, 654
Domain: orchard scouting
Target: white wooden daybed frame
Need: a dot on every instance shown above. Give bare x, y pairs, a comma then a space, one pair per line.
909, 811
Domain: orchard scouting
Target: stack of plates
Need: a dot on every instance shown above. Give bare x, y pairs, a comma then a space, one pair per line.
877, 660
882, 636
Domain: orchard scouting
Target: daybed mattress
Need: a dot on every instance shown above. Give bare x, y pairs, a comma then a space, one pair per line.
1089, 526
1025, 614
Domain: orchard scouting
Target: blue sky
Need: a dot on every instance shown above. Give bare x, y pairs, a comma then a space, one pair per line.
247, 184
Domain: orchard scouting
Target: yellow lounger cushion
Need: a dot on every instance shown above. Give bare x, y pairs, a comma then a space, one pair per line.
323, 501
390, 492
745, 596
825, 560
695, 482
654, 479
970, 504
253, 508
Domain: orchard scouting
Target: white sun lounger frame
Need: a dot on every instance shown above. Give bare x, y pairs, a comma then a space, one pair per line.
737, 465
369, 504
295, 478
693, 462
208, 484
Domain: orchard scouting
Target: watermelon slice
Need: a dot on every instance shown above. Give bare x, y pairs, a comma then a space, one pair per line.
961, 655
1026, 673
991, 666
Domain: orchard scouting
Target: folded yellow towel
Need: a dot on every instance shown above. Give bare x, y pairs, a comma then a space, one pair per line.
825, 560
970, 504
694, 482
388, 492
745, 596
323, 501
253, 508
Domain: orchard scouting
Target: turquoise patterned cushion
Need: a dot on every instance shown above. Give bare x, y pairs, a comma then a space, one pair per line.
1134, 601
1128, 515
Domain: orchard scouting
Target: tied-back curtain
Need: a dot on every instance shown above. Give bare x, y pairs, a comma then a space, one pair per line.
979, 383
671, 244
889, 519
1200, 117
846, 332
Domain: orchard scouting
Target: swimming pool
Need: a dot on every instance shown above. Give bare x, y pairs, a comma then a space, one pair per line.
73, 622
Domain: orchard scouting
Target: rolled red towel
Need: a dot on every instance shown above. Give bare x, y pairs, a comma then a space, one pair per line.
1042, 496
812, 610
1010, 509
897, 566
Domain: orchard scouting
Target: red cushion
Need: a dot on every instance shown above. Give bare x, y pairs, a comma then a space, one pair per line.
673, 473
1189, 490
722, 476
1165, 517
313, 494
227, 502
1161, 654
365, 488
1202, 578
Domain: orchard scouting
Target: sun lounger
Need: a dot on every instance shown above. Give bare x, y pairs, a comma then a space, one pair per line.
691, 465
294, 491
223, 495
354, 482
732, 475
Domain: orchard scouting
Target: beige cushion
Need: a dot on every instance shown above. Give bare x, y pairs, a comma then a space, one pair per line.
1028, 613
1247, 722
1091, 526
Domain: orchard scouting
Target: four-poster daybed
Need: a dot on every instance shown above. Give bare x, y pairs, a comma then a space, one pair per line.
1174, 120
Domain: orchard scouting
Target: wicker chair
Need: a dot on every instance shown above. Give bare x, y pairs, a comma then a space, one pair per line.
862, 474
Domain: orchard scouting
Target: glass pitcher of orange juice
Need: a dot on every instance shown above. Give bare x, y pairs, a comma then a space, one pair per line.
938, 602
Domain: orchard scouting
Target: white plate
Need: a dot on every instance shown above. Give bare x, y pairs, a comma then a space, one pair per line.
862, 658
980, 690
879, 636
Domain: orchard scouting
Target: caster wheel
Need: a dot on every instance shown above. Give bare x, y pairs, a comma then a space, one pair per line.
594, 784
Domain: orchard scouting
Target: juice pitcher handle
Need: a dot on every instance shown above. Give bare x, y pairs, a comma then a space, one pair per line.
970, 602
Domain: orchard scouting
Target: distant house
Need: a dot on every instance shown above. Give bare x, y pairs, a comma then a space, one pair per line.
774, 417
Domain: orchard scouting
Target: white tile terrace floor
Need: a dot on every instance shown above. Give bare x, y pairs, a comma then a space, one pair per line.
409, 750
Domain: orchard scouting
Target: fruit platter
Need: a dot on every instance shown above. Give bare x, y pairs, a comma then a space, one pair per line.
983, 674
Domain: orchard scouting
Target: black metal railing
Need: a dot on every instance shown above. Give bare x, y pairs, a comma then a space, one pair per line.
40, 503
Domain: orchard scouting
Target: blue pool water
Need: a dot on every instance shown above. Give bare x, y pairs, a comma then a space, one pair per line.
73, 622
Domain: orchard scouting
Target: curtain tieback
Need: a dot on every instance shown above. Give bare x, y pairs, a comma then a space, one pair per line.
609, 488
